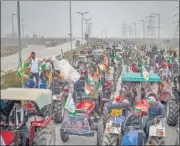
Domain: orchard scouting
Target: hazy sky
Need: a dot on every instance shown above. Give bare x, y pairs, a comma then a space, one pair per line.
51, 19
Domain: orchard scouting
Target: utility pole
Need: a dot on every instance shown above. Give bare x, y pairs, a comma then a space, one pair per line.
158, 15
19, 33
70, 22
13, 24
124, 30
82, 14
143, 28
134, 29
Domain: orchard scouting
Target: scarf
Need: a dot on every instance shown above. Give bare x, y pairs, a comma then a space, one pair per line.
22, 116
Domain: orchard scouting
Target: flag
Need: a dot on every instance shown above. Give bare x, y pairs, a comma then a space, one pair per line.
43, 65
87, 89
102, 67
70, 105
95, 78
100, 85
19, 70
146, 75
105, 59
89, 78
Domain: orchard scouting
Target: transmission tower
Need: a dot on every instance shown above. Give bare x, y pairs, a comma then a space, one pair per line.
176, 23
150, 33
124, 31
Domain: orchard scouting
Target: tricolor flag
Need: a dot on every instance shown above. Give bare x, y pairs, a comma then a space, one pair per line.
70, 105
89, 78
87, 89
102, 67
43, 65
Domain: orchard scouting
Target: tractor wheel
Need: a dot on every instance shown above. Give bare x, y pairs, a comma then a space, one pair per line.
64, 136
47, 110
157, 141
58, 111
45, 135
172, 112
105, 114
110, 139
100, 131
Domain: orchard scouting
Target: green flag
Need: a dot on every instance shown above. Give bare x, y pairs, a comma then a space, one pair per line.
19, 69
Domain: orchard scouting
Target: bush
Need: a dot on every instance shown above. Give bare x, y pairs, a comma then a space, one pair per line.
10, 79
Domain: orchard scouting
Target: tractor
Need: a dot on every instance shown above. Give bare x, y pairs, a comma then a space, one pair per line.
41, 129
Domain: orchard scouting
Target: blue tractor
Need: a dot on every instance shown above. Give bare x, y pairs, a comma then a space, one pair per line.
133, 135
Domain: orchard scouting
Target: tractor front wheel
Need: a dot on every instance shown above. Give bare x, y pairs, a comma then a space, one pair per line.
45, 135
58, 111
110, 139
64, 136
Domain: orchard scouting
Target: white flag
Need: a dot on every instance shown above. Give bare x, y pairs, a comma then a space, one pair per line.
70, 105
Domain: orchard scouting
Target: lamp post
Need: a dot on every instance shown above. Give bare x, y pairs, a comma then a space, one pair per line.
70, 23
82, 14
87, 20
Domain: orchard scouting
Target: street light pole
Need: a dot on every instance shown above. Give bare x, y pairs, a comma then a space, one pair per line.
82, 14
70, 20
87, 24
134, 29
158, 25
13, 24
143, 28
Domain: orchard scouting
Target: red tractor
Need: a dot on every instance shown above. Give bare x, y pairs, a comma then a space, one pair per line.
84, 123
40, 129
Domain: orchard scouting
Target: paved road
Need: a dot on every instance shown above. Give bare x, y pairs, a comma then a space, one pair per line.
11, 62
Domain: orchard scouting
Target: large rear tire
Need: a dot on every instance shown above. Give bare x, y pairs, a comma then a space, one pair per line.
110, 139
47, 110
172, 112
58, 111
45, 135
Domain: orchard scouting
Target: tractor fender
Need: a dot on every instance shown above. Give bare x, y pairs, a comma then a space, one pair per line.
32, 119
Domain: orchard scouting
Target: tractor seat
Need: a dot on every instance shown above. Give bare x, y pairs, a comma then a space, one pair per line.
86, 105
108, 84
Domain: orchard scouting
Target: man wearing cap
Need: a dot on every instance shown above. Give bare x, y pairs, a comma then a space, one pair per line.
133, 119
156, 112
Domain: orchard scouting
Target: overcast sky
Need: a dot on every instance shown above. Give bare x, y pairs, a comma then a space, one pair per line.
51, 18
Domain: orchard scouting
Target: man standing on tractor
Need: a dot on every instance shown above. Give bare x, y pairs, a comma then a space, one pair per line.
34, 64
19, 117
156, 112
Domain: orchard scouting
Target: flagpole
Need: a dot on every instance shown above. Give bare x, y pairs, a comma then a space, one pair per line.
19, 36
